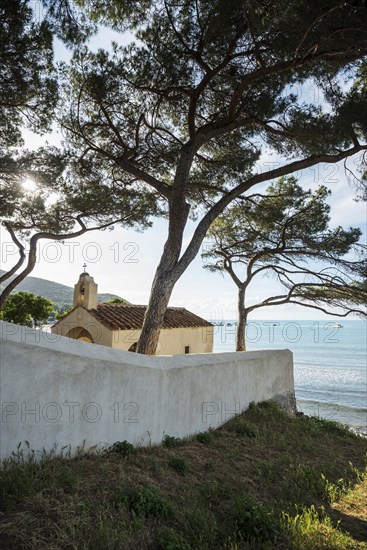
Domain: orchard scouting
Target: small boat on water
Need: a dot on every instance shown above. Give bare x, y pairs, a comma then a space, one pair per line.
338, 325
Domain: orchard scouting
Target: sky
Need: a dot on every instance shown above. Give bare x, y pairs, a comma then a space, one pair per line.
123, 261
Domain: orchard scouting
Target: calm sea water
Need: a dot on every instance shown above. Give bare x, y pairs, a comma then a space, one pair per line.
330, 364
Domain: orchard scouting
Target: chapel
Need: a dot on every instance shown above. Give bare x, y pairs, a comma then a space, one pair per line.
119, 325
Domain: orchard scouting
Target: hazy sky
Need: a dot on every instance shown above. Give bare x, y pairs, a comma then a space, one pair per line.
123, 262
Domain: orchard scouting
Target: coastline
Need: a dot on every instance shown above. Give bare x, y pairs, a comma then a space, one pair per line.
329, 363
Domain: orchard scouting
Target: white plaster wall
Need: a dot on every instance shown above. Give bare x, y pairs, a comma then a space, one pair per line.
60, 391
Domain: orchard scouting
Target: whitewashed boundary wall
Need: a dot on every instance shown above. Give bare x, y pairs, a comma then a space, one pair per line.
61, 392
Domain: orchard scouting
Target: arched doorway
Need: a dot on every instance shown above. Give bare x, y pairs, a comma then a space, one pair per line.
80, 333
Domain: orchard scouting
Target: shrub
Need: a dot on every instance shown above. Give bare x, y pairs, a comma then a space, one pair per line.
179, 464
241, 428
205, 437
171, 442
149, 501
123, 448
254, 520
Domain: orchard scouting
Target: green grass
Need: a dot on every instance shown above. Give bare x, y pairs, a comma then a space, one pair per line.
266, 480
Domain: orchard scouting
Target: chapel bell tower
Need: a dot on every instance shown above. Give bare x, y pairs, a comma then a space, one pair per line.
85, 291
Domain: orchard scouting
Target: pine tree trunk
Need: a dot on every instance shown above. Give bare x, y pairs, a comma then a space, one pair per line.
159, 298
169, 271
165, 278
242, 320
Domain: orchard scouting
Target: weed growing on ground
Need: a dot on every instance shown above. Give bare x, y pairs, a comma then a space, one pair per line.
311, 529
171, 442
169, 539
179, 464
263, 481
254, 520
205, 437
243, 429
123, 448
149, 501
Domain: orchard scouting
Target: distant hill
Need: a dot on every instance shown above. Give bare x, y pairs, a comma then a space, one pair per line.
60, 294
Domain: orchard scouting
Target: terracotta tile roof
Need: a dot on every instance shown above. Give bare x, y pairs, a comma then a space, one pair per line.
130, 317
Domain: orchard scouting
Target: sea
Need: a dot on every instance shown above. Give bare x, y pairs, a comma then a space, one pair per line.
330, 363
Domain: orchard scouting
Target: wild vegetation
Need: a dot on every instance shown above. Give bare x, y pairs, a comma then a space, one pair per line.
265, 480
25, 308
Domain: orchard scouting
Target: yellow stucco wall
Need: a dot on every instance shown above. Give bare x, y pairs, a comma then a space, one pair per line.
171, 341
80, 317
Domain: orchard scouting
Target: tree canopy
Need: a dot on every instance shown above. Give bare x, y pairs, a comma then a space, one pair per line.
175, 120
69, 197
28, 90
188, 107
285, 234
67, 202
25, 308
